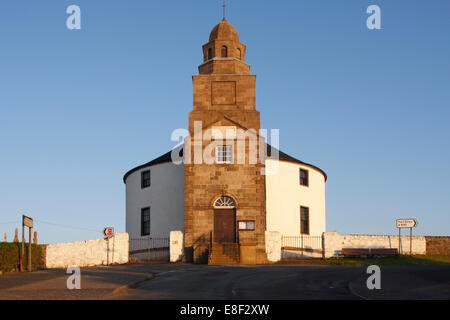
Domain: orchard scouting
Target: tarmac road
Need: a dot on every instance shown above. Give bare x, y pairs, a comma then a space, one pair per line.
292, 283
200, 282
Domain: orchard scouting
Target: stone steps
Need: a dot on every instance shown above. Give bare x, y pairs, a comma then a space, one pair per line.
224, 254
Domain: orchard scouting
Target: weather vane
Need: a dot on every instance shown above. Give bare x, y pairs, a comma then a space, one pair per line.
224, 6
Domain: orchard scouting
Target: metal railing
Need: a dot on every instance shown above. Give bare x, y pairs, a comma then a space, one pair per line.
210, 245
302, 243
150, 248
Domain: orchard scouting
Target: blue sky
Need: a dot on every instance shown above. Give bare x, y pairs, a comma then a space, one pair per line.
79, 108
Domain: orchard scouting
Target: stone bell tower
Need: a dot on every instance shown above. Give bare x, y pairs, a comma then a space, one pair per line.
224, 200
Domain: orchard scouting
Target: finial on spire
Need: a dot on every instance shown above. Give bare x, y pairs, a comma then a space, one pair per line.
224, 6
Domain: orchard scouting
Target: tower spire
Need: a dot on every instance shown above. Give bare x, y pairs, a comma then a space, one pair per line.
223, 6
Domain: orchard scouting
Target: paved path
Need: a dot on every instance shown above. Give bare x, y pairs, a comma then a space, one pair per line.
200, 282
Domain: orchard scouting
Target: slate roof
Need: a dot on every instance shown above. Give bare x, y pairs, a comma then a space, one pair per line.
167, 157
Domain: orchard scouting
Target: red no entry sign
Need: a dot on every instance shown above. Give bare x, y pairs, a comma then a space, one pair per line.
108, 232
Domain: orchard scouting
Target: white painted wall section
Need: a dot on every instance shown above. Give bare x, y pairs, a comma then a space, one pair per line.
165, 198
176, 246
334, 242
89, 253
273, 246
285, 195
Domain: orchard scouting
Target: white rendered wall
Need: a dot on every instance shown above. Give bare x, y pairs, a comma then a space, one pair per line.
285, 195
165, 197
176, 246
273, 245
334, 242
88, 253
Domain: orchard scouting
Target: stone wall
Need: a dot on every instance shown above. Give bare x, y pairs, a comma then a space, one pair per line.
96, 252
300, 254
438, 245
334, 242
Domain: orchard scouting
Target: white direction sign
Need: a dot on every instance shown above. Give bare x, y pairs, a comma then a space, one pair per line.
407, 223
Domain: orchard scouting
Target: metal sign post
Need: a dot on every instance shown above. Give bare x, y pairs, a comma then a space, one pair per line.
410, 241
108, 232
406, 223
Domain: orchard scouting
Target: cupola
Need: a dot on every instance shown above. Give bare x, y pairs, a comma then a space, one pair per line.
224, 53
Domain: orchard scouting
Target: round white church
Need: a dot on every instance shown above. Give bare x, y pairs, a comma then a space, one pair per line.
295, 197
225, 200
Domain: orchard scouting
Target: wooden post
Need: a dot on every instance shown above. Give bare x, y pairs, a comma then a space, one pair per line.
22, 251
29, 249
399, 245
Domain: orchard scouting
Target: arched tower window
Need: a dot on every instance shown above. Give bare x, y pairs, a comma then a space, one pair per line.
225, 202
209, 54
239, 54
224, 52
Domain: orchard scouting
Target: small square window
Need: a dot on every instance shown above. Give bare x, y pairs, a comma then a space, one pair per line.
246, 225
304, 177
145, 179
224, 154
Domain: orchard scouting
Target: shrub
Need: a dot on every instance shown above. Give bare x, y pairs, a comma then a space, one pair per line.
10, 256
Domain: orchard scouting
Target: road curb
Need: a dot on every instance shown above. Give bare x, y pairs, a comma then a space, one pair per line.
354, 292
132, 285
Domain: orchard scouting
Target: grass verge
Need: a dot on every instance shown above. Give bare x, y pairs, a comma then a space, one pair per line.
415, 260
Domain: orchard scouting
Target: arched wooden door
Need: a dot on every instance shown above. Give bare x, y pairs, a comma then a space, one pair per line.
225, 220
